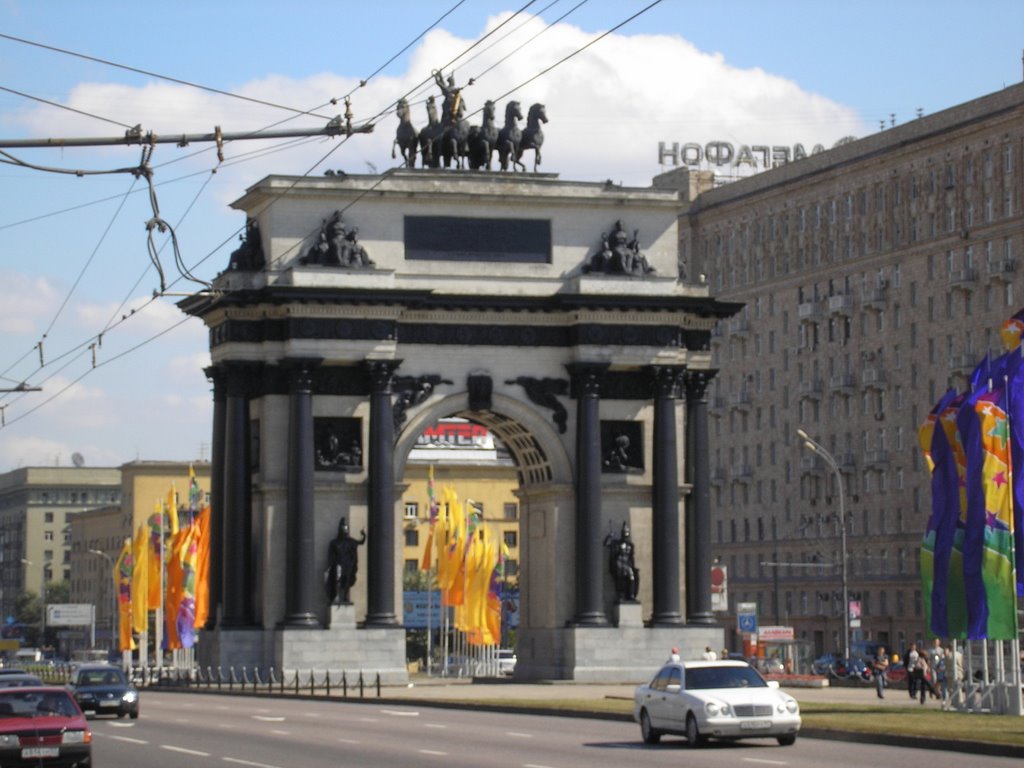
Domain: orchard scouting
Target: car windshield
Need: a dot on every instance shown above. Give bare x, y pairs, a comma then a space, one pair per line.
101, 677
702, 678
36, 704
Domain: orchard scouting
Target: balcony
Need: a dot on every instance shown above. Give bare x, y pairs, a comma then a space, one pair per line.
812, 465
874, 378
840, 305
877, 459
812, 390
965, 279
742, 473
1001, 270
739, 326
843, 384
875, 298
809, 311
963, 364
741, 401
847, 461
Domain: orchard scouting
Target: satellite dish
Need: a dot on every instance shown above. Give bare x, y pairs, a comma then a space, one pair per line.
77, 459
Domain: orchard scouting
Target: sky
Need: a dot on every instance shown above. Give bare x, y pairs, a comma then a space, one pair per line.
85, 316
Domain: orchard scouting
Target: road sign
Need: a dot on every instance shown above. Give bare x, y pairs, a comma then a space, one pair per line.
69, 614
746, 617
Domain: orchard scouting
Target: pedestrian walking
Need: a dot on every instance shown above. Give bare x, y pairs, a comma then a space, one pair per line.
910, 664
881, 665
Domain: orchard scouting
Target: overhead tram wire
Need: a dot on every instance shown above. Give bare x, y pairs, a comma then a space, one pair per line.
157, 75
64, 107
580, 50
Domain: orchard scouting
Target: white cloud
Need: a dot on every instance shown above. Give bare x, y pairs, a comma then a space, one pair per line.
26, 303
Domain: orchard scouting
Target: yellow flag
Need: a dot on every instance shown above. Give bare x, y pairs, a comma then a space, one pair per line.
172, 510
140, 579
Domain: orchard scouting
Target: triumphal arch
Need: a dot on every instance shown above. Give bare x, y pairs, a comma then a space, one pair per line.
358, 310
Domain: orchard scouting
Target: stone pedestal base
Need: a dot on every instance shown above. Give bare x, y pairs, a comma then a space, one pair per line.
630, 615
607, 654
341, 648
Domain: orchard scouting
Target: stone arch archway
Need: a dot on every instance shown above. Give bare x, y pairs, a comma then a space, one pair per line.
587, 374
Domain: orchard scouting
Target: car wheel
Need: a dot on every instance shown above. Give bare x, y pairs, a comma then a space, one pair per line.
135, 715
786, 741
650, 735
693, 737
120, 715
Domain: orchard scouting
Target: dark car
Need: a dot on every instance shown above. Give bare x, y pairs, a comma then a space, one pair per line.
104, 689
43, 725
19, 679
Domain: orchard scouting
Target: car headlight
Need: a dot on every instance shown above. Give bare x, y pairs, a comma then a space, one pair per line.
9, 740
130, 697
717, 709
789, 705
76, 737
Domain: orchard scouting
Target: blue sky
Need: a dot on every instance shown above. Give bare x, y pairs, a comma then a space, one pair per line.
75, 272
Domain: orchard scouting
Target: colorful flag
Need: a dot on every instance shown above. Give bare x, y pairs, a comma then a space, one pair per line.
974, 516
123, 585
202, 523
172, 510
155, 526
1012, 330
428, 553
140, 579
997, 554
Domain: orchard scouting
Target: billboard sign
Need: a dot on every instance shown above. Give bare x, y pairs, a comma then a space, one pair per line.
69, 614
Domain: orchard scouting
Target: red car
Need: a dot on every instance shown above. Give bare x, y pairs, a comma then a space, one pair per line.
43, 725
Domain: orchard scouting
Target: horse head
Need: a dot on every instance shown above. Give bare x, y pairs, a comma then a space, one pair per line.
402, 110
537, 114
512, 113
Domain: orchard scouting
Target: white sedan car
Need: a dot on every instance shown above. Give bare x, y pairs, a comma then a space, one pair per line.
714, 699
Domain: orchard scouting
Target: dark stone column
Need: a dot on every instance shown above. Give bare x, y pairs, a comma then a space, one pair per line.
237, 525
216, 580
302, 593
698, 507
380, 589
589, 544
665, 499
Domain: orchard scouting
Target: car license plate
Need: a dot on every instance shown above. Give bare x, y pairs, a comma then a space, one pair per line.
753, 725
30, 752
109, 703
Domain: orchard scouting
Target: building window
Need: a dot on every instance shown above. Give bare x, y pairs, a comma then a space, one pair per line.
412, 537
511, 510
511, 539
48, 517
412, 510
411, 566
47, 535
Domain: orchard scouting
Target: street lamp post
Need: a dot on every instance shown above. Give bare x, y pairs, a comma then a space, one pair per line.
113, 595
820, 450
42, 602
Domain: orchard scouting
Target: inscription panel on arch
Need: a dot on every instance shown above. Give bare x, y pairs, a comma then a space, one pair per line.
454, 238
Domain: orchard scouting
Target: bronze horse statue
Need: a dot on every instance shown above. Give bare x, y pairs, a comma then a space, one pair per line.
510, 136
430, 137
482, 139
454, 135
533, 135
406, 137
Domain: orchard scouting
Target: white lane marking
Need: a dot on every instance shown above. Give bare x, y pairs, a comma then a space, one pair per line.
431, 752
120, 724
399, 713
535, 765
520, 735
268, 718
279, 732
763, 761
347, 741
236, 761
128, 739
366, 719
172, 748
435, 725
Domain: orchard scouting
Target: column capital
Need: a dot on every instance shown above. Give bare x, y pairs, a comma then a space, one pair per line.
381, 374
697, 383
587, 377
667, 379
300, 372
